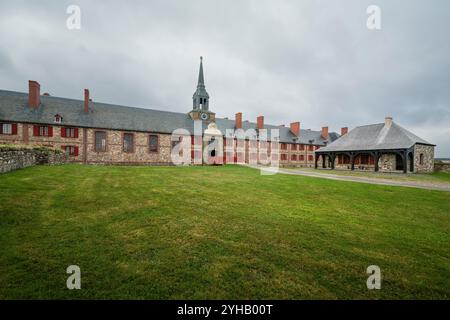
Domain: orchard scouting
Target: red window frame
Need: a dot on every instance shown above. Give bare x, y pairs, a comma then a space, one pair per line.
42, 131
13, 128
73, 150
69, 132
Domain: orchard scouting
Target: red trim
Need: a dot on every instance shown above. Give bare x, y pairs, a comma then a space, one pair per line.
36, 131
1, 128
50, 131
63, 133
75, 153
76, 132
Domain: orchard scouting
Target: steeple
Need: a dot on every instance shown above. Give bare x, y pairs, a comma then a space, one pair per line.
200, 99
201, 78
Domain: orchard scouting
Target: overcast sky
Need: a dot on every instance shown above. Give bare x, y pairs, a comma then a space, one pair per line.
309, 61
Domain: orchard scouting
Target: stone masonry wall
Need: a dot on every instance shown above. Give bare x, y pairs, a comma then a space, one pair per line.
13, 158
440, 166
426, 164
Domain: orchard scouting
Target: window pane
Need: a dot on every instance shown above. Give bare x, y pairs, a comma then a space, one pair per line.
100, 141
128, 142
153, 143
7, 128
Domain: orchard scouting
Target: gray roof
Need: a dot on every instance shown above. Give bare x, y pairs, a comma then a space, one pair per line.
375, 137
14, 107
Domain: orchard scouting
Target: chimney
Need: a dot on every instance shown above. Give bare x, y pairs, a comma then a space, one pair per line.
260, 122
388, 122
295, 128
325, 132
238, 120
282, 125
344, 131
86, 100
34, 94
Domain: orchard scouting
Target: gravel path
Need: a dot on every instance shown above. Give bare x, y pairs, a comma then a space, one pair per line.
411, 184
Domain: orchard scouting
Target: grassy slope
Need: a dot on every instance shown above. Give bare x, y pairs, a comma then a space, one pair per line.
217, 232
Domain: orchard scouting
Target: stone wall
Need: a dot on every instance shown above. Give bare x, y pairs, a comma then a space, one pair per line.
13, 158
440, 166
423, 158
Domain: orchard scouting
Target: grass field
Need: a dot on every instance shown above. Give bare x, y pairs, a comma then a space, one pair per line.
217, 233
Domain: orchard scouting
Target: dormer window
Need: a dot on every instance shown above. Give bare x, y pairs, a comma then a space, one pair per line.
58, 118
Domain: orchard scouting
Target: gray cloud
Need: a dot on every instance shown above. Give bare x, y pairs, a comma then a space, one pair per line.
312, 61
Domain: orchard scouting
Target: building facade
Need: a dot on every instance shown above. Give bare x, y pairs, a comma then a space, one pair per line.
94, 132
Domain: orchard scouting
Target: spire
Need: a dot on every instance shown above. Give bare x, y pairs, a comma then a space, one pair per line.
201, 79
201, 98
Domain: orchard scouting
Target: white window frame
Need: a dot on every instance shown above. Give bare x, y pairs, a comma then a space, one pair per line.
7, 128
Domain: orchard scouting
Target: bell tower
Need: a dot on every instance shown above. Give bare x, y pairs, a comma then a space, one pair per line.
200, 99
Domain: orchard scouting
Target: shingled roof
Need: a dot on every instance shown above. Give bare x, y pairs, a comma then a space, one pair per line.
378, 136
14, 107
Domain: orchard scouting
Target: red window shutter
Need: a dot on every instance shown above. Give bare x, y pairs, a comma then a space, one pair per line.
192, 140
1, 128
63, 132
75, 152
14, 128
76, 132
372, 160
50, 131
36, 131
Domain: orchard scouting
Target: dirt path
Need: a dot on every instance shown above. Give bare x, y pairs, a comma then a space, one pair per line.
411, 184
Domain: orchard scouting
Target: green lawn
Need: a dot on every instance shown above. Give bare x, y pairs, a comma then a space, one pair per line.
217, 233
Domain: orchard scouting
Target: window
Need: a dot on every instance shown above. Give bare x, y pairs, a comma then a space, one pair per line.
311, 148
58, 118
293, 147
310, 158
302, 147
421, 159
6, 128
153, 143
44, 131
128, 142
100, 141
283, 156
301, 157
69, 132
283, 146
71, 150
294, 157
174, 143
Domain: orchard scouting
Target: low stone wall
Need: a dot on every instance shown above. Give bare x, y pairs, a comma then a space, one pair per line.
14, 157
440, 166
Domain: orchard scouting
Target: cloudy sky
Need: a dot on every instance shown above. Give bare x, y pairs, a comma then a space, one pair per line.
310, 61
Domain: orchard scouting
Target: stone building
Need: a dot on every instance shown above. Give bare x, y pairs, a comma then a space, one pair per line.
378, 147
95, 132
